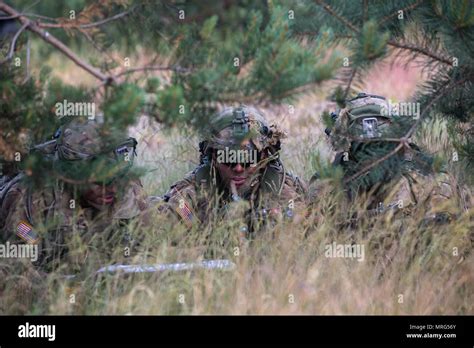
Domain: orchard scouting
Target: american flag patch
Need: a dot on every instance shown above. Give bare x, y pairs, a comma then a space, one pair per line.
185, 212
25, 231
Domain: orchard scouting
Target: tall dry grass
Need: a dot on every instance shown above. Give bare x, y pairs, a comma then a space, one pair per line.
409, 267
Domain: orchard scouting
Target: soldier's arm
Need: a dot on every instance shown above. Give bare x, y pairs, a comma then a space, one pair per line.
181, 202
132, 203
434, 195
291, 201
15, 219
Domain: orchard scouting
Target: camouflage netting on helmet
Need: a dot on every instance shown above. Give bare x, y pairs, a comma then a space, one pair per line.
366, 131
366, 117
232, 126
79, 141
87, 152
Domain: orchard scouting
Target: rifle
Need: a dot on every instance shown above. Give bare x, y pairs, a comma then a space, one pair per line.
437, 219
223, 265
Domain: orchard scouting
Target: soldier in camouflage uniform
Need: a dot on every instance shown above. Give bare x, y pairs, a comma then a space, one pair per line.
88, 191
251, 175
365, 131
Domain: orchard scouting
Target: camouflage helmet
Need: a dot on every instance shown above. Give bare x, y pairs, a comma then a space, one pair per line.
365, 117
85, 151
230, 127
79, 141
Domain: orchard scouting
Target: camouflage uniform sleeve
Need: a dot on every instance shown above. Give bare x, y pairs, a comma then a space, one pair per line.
293, 190
26, 216
290, 203
434, 193
181, 201
12, 211
47, 212
132, 203
339, 132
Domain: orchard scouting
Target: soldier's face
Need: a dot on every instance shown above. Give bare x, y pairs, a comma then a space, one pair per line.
237, 175
100, 195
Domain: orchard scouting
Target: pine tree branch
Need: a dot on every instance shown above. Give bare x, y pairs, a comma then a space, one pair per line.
89, 25
96, 46
13, 44
25, 14
373, 164
404, 141
395, 14
365, 10
420, 50
178, 69
46, 36
393, 43
107, 20
336, 15
441, 92
349, 83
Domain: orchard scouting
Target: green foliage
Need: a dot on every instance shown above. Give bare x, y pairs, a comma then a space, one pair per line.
285, 65
324, 169
172, 105
242, 52
208, 27
152, 85
251, 64
371, 44
327, 120
277, 57
439, 32
28, 111
123, 106
257, 52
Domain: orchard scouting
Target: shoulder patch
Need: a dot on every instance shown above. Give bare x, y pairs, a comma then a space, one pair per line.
25, 231
185, 212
